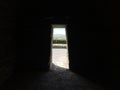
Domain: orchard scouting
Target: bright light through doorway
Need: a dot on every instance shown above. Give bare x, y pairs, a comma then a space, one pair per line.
59, 47
59, 31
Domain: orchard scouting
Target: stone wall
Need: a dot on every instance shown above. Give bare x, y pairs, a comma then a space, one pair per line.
7, 40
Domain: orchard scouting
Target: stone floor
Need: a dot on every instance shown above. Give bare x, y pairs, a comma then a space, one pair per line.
60, 57
58, 78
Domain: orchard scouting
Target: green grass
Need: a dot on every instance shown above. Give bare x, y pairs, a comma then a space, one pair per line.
59, 41
59, 45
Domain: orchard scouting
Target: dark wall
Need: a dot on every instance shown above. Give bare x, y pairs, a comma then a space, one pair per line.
94, 44
90, 51
7, 40
33, 44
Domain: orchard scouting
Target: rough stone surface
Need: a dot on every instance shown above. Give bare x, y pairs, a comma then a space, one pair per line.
56, 79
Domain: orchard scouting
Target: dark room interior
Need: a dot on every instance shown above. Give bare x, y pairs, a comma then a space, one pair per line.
25, 43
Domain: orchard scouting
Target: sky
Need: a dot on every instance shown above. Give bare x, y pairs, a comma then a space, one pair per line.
59, 31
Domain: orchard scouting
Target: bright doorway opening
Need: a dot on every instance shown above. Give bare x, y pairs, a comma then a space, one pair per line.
59, 54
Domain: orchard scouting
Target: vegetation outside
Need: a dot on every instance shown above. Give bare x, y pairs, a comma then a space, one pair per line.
59, 41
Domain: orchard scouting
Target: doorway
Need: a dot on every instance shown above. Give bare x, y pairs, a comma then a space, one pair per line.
59, 49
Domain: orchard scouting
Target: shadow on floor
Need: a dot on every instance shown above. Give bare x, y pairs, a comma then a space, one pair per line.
56, 79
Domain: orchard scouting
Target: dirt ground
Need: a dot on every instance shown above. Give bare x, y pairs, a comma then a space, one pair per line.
60, 57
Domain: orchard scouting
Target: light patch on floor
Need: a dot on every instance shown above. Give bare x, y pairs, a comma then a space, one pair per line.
60, 57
